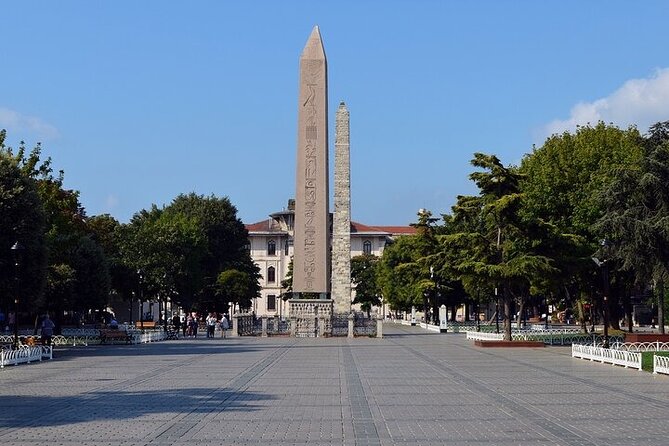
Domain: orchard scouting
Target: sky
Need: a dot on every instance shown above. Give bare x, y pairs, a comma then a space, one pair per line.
140, 101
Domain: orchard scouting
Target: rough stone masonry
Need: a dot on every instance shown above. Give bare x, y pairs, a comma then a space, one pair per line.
341, 237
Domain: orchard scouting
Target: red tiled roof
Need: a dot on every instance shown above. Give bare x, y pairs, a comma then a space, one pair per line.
261, 226
264, 226
398, 230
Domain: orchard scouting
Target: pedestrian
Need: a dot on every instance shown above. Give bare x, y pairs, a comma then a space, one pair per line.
184, 324
211, 325
224, 326
193, 325
47, 330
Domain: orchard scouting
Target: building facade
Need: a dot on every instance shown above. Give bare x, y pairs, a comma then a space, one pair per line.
271, 248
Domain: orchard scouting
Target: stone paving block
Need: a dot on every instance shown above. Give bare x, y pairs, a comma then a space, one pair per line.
409, 388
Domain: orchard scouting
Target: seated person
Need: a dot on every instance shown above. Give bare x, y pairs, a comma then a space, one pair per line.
113, 324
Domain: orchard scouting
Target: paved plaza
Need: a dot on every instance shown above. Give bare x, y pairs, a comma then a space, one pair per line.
409, 388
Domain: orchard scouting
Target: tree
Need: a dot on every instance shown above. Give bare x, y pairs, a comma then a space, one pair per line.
168, 249
562, 184
496, 248
403, 273
21, 219
363, 275
236, 287
225, 241
636, 215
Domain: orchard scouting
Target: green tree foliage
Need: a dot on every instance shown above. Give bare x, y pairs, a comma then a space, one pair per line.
185, 246
363, 276
225, 237
236, 287
562, 184
403, 274
167, 250
21, 219
636, 218
496, 248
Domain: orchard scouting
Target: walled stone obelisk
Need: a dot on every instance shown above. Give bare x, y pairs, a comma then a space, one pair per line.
341, 237
311, 261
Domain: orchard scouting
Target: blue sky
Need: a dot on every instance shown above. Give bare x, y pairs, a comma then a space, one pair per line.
138, 101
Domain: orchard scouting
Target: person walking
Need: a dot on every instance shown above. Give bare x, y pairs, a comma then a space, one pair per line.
47, 330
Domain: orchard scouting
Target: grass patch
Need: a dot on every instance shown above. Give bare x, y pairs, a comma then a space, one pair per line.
647, 360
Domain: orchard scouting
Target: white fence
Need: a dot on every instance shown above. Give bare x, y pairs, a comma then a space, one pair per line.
607, 355
25, 355
482, 336
661, 364
642, 346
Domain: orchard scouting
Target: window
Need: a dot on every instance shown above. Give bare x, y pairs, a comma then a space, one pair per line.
366, 247
271, 302
271, 274
271, 248
247, 247
285, 247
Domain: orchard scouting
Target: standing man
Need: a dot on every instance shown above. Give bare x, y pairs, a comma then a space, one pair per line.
47, 330
224, 325
211, 325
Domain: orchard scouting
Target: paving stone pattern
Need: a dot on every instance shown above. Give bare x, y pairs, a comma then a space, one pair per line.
409, 388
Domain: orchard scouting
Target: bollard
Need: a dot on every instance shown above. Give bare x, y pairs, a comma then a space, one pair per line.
264, 326
379, 327
443, 319
351, 322
413, 316
235, 326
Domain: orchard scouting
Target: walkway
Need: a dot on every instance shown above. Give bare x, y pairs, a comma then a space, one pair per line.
408, 388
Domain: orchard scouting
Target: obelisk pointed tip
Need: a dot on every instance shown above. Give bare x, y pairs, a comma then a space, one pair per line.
314, 47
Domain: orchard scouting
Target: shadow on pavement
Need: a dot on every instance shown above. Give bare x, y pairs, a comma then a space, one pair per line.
39, 411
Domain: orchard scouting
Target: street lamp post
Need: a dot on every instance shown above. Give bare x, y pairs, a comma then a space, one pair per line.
140, 274
605, 299
17, 249
496, 311
605, 272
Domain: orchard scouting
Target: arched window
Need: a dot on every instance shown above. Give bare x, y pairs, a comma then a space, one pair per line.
366, 247
271, 248
271, 274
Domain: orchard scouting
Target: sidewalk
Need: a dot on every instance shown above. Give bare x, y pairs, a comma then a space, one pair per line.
409, 388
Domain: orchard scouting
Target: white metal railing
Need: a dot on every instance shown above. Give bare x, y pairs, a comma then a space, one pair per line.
661, 364
80, 332
25, 355
482, 336
642, 346
152, 336
429, 327
607, 355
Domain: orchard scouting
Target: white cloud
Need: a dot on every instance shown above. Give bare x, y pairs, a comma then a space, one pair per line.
640, 102
16, 122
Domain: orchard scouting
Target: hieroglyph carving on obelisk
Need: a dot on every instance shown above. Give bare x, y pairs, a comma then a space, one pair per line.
311, 261
341, 237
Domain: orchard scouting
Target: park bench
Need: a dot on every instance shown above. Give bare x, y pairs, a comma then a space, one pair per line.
146, 324
111, 335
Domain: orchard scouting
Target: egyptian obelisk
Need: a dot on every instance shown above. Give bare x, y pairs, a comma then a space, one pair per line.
341, 237
311, 261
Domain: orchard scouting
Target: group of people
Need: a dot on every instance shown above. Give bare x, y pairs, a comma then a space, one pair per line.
188, 324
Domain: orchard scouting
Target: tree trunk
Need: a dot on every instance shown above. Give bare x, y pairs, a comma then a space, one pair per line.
581, 315
660, 306
521, 309
507, 317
